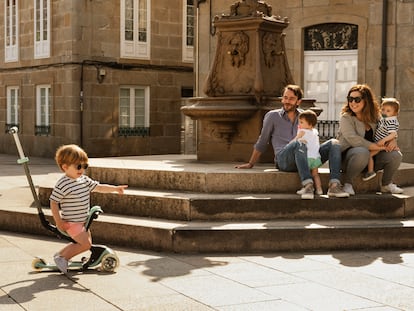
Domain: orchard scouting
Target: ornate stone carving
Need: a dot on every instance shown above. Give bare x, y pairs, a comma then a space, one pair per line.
272, 48
250, 8
331, 36
238, 47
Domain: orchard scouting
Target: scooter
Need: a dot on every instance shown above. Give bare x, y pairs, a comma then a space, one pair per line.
101, 257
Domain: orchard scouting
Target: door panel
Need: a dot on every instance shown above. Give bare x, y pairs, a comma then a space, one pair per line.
328, 75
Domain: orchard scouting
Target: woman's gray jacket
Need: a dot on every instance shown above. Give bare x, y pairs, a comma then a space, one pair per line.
352, 132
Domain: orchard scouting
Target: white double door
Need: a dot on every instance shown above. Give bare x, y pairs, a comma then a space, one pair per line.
328, 76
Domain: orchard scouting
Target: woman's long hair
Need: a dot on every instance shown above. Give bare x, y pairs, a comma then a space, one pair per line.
371, 112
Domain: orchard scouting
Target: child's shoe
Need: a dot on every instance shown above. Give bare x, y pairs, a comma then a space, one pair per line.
301, 191
61, 263
307, 193
369, 176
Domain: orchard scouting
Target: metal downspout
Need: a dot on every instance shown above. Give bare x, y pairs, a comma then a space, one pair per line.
81, 107
197, 48
384, 65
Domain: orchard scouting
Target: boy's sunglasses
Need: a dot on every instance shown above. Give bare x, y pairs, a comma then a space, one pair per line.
80, 166
355, 99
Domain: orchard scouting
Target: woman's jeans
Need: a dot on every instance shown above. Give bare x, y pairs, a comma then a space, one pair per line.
356, 160
293, 158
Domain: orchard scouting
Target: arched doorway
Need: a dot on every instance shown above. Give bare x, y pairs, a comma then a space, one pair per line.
330, 66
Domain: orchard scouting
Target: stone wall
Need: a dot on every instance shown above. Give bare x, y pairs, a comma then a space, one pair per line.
86, 39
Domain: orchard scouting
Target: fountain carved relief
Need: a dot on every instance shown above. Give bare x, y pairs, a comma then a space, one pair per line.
249, 71
250, 58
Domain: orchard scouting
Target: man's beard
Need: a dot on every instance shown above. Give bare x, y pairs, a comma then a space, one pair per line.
290, 107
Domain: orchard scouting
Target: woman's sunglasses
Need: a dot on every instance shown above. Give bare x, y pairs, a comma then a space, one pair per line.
355, 99
80, 166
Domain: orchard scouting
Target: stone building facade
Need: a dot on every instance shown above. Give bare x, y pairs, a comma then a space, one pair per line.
331, 45
107, 75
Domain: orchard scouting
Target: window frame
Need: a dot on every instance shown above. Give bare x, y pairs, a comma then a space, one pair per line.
188, 50
11, 31
43, 120
10, 119
135, 48
41, 45
133, 129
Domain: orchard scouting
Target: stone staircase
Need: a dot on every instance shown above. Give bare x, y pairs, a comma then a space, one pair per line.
175, 203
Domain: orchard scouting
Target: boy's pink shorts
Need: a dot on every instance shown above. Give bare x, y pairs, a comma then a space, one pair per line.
74, 228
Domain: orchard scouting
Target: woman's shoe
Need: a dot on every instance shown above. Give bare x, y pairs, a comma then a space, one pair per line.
348, 188
391, 188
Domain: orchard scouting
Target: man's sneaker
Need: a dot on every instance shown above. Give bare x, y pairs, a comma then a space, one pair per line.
61, 263
307, 192
369, 176
335, 190
348, 188
391, 188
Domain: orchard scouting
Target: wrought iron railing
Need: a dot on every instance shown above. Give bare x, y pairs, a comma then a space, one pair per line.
134, 131
42, 130
327, 129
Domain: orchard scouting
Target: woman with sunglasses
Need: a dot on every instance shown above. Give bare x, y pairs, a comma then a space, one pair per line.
70, 201
357, 125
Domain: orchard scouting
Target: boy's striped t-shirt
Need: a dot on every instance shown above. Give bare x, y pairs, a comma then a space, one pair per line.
385, 127
73, 196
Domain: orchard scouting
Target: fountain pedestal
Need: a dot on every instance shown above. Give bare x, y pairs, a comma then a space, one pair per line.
248, 75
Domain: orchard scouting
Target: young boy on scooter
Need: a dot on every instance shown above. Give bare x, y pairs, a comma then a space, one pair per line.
70, 201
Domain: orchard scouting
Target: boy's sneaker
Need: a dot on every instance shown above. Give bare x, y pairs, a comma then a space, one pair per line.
391, 188
369, 176
335, 190
319, 191
349, 189
61, 263
307, 193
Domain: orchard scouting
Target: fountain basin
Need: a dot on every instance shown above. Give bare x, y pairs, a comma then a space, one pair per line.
220, 109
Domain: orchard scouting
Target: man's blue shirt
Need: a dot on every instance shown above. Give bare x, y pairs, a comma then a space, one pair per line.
277, 129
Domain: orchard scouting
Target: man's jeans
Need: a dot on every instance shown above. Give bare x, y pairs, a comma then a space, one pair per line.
293, 158
331, 151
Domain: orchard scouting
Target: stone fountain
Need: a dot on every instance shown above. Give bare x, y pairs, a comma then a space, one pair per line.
248, 74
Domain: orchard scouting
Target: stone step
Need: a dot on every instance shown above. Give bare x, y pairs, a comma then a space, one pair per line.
185, 173
233, 237
188, 206
182, 205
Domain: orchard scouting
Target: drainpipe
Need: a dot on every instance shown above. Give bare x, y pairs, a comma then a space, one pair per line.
384, 66
197, 70
197, 48
81, 107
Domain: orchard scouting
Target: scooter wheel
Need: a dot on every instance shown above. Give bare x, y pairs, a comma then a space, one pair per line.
109, 262
37, 263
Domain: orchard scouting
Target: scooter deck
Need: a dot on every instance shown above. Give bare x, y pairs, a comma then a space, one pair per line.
102, 258
39, 264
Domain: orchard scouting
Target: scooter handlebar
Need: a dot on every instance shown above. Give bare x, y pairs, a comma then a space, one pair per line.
14, 130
